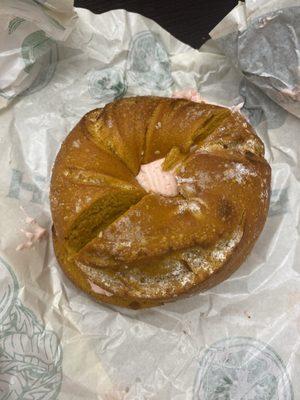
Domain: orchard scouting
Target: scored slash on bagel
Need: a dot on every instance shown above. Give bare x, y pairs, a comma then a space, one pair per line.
131, 248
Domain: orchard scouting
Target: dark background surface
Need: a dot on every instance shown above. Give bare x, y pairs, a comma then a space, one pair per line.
188, 20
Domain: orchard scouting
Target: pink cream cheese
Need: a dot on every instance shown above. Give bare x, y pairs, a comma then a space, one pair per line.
97, 289
193, 95
154, 179
36, 234
189, 94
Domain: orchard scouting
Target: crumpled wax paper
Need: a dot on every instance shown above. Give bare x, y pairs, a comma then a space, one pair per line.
238, 341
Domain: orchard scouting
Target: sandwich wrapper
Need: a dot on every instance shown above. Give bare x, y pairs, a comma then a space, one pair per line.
239, 340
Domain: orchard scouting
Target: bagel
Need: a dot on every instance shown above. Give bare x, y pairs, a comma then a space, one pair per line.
156, 198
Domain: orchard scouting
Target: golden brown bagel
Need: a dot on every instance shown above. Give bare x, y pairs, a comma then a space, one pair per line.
131, 248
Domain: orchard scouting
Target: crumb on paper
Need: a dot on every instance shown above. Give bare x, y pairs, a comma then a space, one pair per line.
248, 315
36, 234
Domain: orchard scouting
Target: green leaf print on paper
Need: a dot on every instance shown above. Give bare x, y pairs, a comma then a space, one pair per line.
241, 368
8, 293
42, 6
40, 55
14, 24
106, 84
148, 63
30, 355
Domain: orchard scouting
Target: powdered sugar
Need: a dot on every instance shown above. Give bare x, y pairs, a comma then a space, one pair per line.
88, 199
238, 172
197, 261
78, 206
192, 206
223, 248
184, 180
76, 144
110, 123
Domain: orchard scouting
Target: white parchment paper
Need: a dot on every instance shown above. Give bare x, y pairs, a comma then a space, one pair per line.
240, 340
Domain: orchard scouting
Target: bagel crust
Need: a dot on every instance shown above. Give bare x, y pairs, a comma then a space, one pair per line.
134, 248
